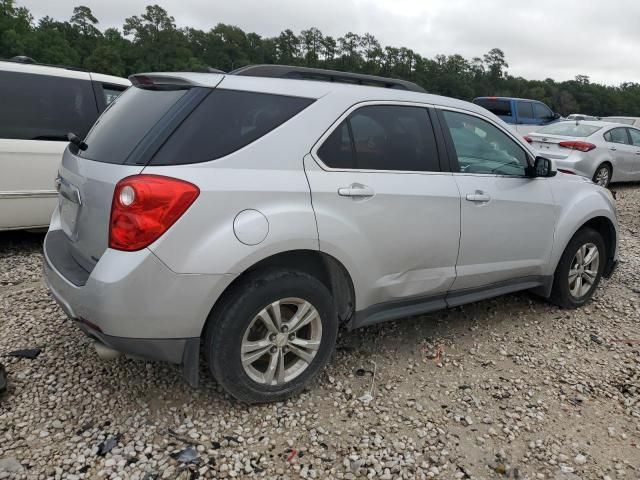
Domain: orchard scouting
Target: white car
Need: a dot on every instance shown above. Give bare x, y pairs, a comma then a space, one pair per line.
39, 106
602, 151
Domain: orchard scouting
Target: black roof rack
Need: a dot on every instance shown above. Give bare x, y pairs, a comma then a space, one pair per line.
305, 73
30, 61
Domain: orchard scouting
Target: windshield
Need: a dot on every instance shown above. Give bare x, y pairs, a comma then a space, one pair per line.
569, 129
626, 121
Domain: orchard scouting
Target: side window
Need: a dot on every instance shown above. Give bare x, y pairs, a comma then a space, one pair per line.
607, 137
619, 135
226, 121
111, 92
542, 112
635, 136
482, 147
383, 137
337, 151
501, 108
525, 110
43, 107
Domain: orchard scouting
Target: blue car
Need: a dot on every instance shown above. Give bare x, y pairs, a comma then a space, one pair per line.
525, 115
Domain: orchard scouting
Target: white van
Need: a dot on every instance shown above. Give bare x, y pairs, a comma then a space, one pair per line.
39, 106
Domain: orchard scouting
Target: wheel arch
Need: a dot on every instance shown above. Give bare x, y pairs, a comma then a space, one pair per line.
326, 268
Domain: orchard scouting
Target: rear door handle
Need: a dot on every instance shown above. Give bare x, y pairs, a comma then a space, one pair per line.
613, 149
479, 197
356, 190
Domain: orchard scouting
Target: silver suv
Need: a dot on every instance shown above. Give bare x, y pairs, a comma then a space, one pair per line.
251, 216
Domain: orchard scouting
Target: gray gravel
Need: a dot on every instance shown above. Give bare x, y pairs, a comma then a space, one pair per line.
506, 388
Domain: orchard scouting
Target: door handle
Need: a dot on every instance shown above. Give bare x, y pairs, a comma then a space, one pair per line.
613, 149
637, 153
356, 190
479, 197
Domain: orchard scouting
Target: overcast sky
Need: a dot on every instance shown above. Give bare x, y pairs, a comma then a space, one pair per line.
546, 38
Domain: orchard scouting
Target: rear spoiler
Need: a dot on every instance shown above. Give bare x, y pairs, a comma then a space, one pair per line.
175, 80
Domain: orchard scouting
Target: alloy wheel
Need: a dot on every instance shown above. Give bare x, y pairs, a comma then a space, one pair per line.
602, 176
281, 341
584, 270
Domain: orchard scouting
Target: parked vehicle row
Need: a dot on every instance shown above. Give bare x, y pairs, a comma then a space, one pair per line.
252, 214
605, 152
39, 106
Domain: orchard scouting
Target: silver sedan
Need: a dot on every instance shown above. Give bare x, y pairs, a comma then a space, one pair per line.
605, 152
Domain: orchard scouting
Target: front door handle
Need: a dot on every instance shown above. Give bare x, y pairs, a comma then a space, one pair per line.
479, 197
356, 190
613, 149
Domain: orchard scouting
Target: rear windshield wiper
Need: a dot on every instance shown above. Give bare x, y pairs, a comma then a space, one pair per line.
75, 140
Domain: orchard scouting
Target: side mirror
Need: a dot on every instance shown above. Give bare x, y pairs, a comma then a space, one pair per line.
556, 115
542, 167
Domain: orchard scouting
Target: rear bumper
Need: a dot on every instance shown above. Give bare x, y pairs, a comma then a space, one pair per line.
133, 303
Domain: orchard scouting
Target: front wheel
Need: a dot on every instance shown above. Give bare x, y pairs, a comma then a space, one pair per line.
272, 336
602, 176
579, 270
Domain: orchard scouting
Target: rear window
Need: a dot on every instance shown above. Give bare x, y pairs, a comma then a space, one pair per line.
569, 129
502, 108
126, 121
224, 122
43, 107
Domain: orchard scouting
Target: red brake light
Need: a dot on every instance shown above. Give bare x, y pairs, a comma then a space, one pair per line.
576, 145
528, 139
144, 207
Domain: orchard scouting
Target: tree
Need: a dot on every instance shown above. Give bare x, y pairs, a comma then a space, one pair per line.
84, 20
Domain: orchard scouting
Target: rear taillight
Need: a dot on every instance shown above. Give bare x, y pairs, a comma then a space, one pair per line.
144, 207
528, 139
575, 145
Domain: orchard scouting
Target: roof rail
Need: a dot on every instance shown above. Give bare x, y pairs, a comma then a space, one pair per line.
30, 61
305, 73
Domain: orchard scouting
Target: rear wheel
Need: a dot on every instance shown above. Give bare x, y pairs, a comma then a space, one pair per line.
602, 176
271, 336
579, 270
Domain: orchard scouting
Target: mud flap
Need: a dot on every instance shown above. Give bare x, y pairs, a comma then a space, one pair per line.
191, 362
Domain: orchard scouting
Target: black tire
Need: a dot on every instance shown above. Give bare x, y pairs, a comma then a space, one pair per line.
561, 294
602, 168
229, 321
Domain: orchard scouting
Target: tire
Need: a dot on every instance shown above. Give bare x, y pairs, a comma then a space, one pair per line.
602, 176
248, 318
564, 292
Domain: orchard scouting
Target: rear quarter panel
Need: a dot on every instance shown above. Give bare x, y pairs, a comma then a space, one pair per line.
266, 175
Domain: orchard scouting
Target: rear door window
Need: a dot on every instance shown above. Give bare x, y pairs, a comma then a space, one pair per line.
383, 137
126, 122
226, 121
619, 135
44, 107
525, 110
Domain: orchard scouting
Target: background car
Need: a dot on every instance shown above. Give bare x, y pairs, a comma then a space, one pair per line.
522, 114
581, 117
39, 106
250, 217
633, 121
605, 152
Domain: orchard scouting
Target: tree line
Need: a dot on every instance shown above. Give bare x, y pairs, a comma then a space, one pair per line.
151, 41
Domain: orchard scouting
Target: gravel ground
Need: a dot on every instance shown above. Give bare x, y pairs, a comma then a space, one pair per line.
506, 388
